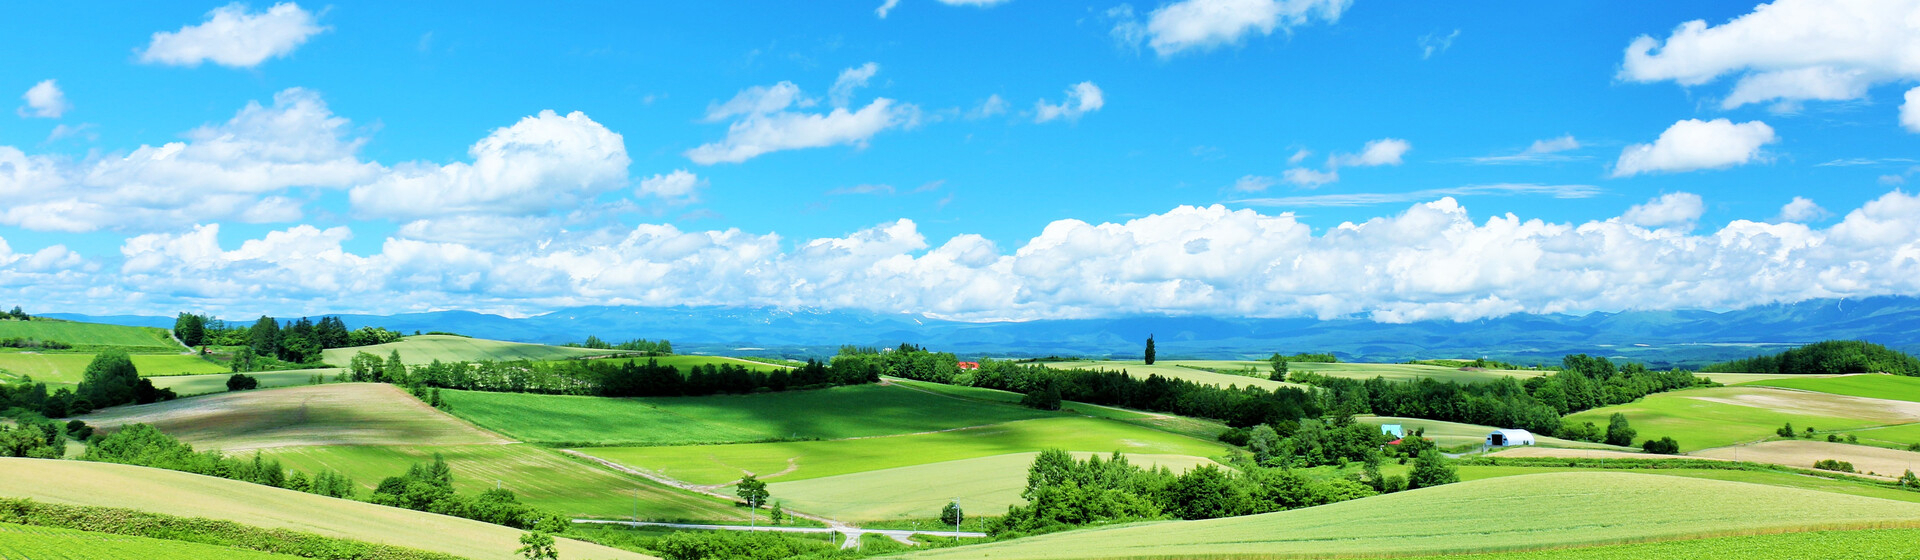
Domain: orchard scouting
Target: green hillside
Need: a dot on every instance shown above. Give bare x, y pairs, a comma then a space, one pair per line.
1393, 372
19, 542
984, 484
1815, 545
839, 412
87, 336
422, 349
1517, 513
1895, 387
686, 361
1718, 416
191, 495
1168, 370
187, 385
70, 368
334, 413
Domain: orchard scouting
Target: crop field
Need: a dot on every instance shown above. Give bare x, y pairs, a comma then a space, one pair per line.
1769, 478
685, 362
330, 414
70, 368
542, 477
839, 412
800, 460
1453, 434
1517, 513
984, 484
1720, 416
1744, 378
1873, 386
90, 334
1393, 372
1809, 545
1166, 369
187, 385
426, 348
1802, 453
192, 495
1183, 425
21, 542
1897, 436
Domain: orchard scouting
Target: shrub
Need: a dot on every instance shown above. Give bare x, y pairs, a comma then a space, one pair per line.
242, 382
1786, 431
1662, 446
1832, 465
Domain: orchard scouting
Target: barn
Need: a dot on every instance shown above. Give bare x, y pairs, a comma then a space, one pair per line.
1503, 438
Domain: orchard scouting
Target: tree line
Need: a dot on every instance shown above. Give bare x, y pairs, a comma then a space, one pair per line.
110, 380
607, 378
269, 341
649, 347
16, 314
1829, 357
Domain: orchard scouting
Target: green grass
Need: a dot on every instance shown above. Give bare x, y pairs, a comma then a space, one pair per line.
548, 479
187, 385
686, 362
1186, 426
91, 335
1892, 436
1168, 370
1873, 386
1454, 434
330, 414
20, 542
63, 368
1742, 378
983, 484
1719, 416
1812, 545
1518, 513
839, 412
426, 348
1770, 478
721, 464
1393, 372
191, 495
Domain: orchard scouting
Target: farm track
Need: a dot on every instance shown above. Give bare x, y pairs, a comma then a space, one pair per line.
853, 534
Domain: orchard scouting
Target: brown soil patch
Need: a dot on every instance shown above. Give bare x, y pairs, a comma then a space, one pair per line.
330, 414
1820, 404
1799, 453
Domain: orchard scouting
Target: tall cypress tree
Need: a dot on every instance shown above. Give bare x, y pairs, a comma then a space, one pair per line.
1149, 349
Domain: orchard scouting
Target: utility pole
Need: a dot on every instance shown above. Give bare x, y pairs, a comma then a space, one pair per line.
957, 514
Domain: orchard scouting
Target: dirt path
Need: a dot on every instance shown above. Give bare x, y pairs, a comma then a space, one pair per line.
853, 534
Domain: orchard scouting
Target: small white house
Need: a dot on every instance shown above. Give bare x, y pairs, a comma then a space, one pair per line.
1503, 438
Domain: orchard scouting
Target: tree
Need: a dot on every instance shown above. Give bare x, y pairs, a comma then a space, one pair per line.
264, 337
1279, 365
1618, 433
754, 491
1431, 469
396, 370
1786, 431
951, 515
779, 513
242, 382
1663, 446
1044, 397
110, 379
536, 545
1265, 444
190, 328
1149, 349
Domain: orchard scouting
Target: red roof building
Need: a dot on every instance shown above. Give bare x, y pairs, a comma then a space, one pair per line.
969, 365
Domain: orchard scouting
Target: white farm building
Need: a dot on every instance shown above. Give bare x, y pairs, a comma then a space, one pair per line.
1503, 438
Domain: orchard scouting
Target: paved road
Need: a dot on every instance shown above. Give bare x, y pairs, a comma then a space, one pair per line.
852, 533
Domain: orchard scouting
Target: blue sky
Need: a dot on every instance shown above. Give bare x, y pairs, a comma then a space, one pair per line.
982, 160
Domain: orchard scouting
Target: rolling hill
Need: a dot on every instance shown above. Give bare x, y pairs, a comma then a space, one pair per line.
422, 349
1718, 416
334, 413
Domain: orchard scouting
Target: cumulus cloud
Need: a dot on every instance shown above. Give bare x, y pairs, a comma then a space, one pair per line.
1910, 111
885, 8
1308, 178
1201, 25
44, 100
1541, 151
851, 79
233, 37
1252, 183
993, 105
1788, 50
1802, 210
1385, 151
1081, 98
1668, 210
543, 162
680, 185
1378, 198
763, 122
1692, 145
1433, 260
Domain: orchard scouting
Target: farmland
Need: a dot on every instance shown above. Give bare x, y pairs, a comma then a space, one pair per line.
985, 484
69, 368
822, 414
1802, 454
88, 336
1894, 387
799, 460
190, 495
541, 477
686, 361
1166, 369
1769, 478
1715, 417
185, 385
35, 543
421, 349
1867, 543
1518, 513
1392, 372
334, 413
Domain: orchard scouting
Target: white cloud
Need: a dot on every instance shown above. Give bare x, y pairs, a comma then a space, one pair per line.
680, 185
45, 100
1081, 98
763, 122
1308, 178
1299, 156
543, 162
849, 80
1208, 24
1679, 209
1378, 198
235, 38
885, 7
1252, 183
1435, 43
993, 105
1788, 50
1802, 210
1385, 151
1127, 30
1541, 151
872, 189
1692, 145
1910, 111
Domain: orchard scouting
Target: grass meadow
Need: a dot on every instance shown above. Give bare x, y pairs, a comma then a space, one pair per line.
91, 334
188, 385
800, 460
985, 484
1873, 386
545, 478
330, 414
839, 412
65, 368
1393, 372
421, 349
685, 361
1804, 545
192, 495
1720, 416
1168, 370
20, 542
1770, 478
1492, 515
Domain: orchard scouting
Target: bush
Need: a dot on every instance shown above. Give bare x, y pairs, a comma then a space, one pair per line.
1786, 431
730, 545
1431, 469
1662, 446
242, 382
1832, 465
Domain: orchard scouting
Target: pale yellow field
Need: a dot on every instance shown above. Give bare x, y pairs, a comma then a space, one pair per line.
330, 414
984, 485
1803, 453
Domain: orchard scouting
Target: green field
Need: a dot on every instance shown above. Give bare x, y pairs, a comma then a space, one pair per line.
70, 368
1897, 436
1183, 425
188, 385
984, 484
1873, 386
1770, 478
1516, 513
334, 413
1813, 545
545, 478
839, 412
1454, 434
685, 362
1393, 372
800, 460
20, 542
1168, 370
1718, 416
192, 495
85, 335
422, 349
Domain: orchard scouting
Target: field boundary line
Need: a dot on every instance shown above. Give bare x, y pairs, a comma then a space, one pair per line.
695, 488
1149, 415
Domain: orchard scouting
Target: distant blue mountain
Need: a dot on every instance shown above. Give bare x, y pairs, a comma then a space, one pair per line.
1656, 337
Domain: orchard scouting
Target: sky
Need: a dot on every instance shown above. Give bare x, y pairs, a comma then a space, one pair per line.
966, 159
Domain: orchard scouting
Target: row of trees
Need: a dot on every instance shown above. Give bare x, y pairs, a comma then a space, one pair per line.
649, 347
298, 341
429, 487
1830, 357
610, 378
16, 315
1237, 406
144, 445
